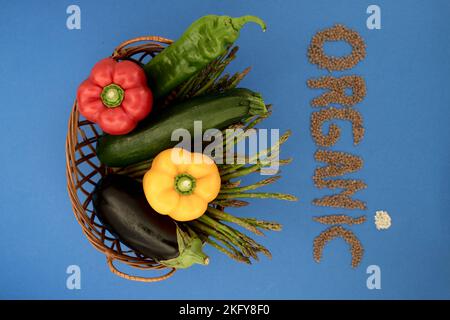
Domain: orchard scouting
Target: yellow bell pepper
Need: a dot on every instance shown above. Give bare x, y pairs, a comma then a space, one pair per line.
181, 184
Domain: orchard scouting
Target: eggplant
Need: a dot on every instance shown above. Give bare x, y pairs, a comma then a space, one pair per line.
121, 206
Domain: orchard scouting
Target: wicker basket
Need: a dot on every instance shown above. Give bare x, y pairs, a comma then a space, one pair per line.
83, 171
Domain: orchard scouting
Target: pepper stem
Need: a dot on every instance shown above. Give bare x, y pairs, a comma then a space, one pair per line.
112, 95
240, 21
184, 183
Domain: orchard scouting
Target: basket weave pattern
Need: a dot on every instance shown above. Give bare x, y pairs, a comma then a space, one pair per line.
83, 171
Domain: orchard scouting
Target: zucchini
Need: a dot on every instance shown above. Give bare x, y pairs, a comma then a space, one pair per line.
120, 204
154, 135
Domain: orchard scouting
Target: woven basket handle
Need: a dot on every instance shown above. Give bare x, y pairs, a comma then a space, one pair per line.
124, 275
145, 38
121, 51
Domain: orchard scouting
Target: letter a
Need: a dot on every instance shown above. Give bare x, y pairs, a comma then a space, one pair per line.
74, 279
74, 20
374, 20
374, 280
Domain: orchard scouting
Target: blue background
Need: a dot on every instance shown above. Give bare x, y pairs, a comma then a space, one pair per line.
406, 148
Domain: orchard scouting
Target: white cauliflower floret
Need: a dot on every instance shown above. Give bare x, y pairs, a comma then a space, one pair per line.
382, 220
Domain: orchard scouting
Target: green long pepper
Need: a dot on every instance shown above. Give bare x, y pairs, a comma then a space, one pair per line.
205, 40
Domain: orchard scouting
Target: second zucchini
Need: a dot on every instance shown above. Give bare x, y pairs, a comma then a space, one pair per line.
214, 111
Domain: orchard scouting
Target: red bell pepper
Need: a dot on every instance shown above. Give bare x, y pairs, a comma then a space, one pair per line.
115, 96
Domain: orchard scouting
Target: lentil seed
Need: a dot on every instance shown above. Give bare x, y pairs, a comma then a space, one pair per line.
340, 219
338, 164
334, 132
356, 248
338, 32
337, 88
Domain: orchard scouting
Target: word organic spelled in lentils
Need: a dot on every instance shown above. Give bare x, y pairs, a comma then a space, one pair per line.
337, 163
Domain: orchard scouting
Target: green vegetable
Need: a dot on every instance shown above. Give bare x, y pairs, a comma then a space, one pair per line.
205, 40
214, 111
